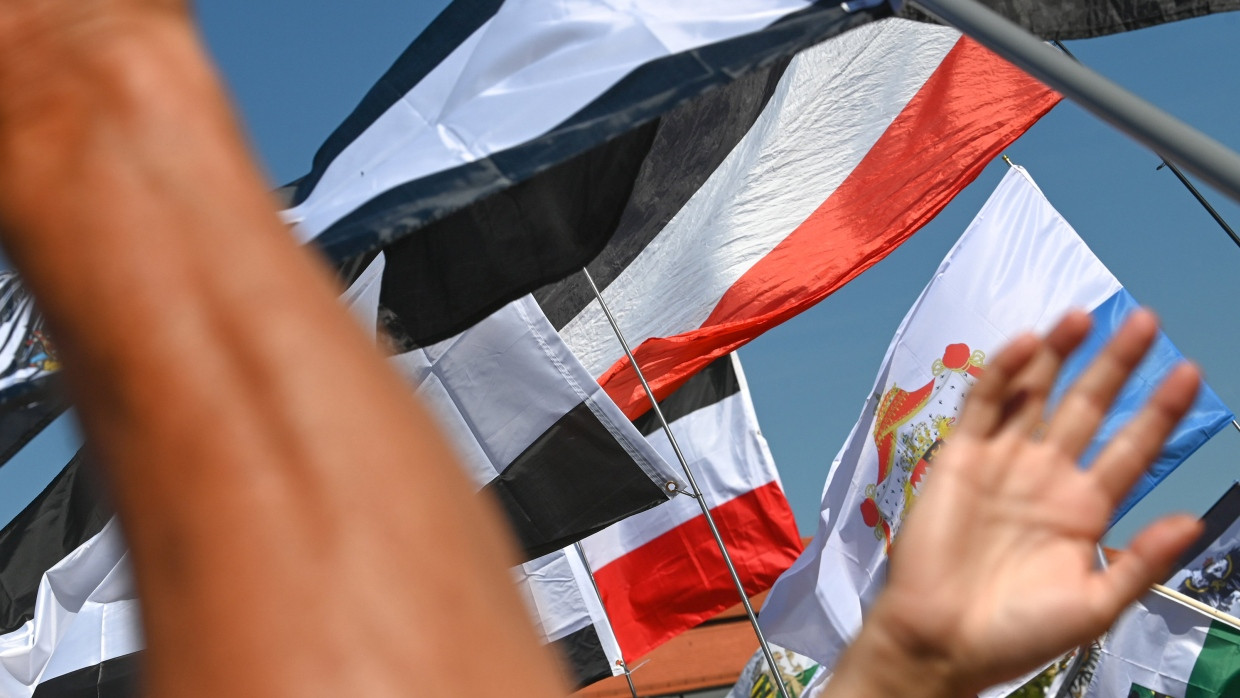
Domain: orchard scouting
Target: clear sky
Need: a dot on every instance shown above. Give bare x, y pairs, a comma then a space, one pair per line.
296, 68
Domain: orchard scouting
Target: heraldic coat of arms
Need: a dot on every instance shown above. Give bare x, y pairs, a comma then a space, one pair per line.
909, 427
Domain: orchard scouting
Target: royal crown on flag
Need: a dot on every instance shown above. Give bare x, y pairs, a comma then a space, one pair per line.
909, 428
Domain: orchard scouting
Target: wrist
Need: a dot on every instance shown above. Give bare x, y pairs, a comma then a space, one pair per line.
888, 660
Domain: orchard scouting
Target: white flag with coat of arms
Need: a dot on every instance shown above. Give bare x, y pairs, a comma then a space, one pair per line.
1018, 267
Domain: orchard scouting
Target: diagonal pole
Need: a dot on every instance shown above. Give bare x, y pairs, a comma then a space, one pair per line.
697, 493
1205, 157
581, 553
1201, 199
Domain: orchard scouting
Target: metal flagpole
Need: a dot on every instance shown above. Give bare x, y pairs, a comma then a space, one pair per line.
697, 493
1235, 424
1176, 171
1164, 134
581, 553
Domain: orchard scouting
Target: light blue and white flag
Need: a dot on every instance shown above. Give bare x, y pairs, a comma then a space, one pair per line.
1018, 267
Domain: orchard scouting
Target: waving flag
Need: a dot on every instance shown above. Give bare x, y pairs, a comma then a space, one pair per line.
68, 608
1083, 19
760, 200
1160, 648
509, 133
659, 572
1207, 571
568, 613
1019, 266
535, 430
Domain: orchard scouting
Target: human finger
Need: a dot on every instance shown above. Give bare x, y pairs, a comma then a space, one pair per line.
1025, 405
1080, 412
982, 411
1126, 456
1147, 561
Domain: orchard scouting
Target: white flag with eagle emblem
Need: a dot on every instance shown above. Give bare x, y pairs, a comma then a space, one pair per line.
1018, 267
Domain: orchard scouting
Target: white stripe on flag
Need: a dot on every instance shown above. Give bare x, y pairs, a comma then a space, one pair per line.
1018, 267
86, 613
525, 63
793, 158
729, 457
498, 386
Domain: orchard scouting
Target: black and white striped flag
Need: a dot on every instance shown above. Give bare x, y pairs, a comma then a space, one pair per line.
509, 134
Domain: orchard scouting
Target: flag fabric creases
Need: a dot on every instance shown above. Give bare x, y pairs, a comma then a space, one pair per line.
535, 430
1162, 649
1019, 266
659, 573
809, 173
1083, 19
569, 614
29, 395
504, 205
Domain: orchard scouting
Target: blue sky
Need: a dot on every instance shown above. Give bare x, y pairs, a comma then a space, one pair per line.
296, 69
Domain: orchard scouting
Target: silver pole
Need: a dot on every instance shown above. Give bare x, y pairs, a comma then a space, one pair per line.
1162, 133
697, 493
1235, 424
628, 675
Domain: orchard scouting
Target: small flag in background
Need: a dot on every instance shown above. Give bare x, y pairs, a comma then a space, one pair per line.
1019, 266
1207, 571
1163, 649
757, 680
569, 615
659, 572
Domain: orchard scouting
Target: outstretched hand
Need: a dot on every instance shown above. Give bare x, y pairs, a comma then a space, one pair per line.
996, 568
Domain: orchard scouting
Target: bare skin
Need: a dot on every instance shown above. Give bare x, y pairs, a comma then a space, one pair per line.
297, 524
995, 572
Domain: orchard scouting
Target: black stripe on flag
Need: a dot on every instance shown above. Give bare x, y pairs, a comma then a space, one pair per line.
1222, 515
573, 480
474, 261
640, 97
584, 654
66, 514
691, 142
711, 385
453, 26
1084, 19
115, 678
26, 409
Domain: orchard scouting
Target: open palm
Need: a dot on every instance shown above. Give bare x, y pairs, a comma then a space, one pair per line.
997, 567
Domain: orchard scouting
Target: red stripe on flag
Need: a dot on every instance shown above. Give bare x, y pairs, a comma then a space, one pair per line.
679, 579
974, 105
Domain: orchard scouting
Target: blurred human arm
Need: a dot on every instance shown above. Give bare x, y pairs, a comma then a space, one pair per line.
297, 524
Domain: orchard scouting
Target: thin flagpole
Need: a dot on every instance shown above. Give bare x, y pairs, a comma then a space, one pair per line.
1201, 199
628, 675
1235, 424
1205, 157
1214, 613
697, 493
